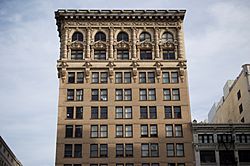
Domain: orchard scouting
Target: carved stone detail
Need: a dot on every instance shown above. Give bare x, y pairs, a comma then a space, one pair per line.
87, 66
61, 68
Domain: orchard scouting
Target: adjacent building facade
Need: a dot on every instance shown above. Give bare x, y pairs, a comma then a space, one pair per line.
221, 144
123, 90
234, 106
7, 157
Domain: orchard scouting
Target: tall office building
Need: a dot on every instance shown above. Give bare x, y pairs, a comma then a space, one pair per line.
123, 91
234, 105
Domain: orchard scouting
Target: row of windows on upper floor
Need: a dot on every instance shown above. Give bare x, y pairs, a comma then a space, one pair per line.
124, 77
224, 138
123, 54
123, 112
123, 36
129, 164
124, 150
124, 94
123, 131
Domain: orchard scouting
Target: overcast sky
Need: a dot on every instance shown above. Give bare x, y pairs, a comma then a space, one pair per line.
217, 37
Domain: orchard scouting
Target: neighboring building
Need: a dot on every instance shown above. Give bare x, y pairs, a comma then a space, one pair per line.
123, 90
234, 106
221, 144
7, 157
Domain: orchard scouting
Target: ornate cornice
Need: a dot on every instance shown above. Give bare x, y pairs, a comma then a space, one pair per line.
108, 18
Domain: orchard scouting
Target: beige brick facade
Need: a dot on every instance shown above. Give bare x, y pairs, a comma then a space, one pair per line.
234, 106
126, 69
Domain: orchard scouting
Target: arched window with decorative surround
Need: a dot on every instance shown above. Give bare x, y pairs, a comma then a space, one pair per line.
145, 36
100, 36
77, 36
167, 36
122, 36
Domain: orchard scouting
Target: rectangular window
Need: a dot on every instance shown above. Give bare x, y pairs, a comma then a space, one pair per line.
94, 112
151, 94
151, 77
168, 112
178, 131
144, 130
100, 54
143, 94
176, 94
69, 131
118, 112
119, 130
118, 77
79, 95
170, 149
78, 131
94, 131
127, 77
127, 94
119, 150
80, 77
103, 94
123, 113
93, 150
104, 77
128, 150
169, 130
128, 112
143, 112
103, 150
142, 77
70, 113
103, 131
128, 131
179, 149
71, 77
94, 94
70, 94
145, 54
166, 94
79, 112
76, 54
145, 150
68, 150
177, 112
168, 55
118, 94
95, 77
243, 138
78, 151
207, 156
122, 54
224, 138
153, 130
165, 77
180, 164
205, 138
154, 150
174, 77
152, 112
103, 113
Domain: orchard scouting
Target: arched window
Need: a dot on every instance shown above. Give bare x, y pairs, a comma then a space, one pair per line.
100, 36
77, 36
167, 37
145, 36
122, 36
